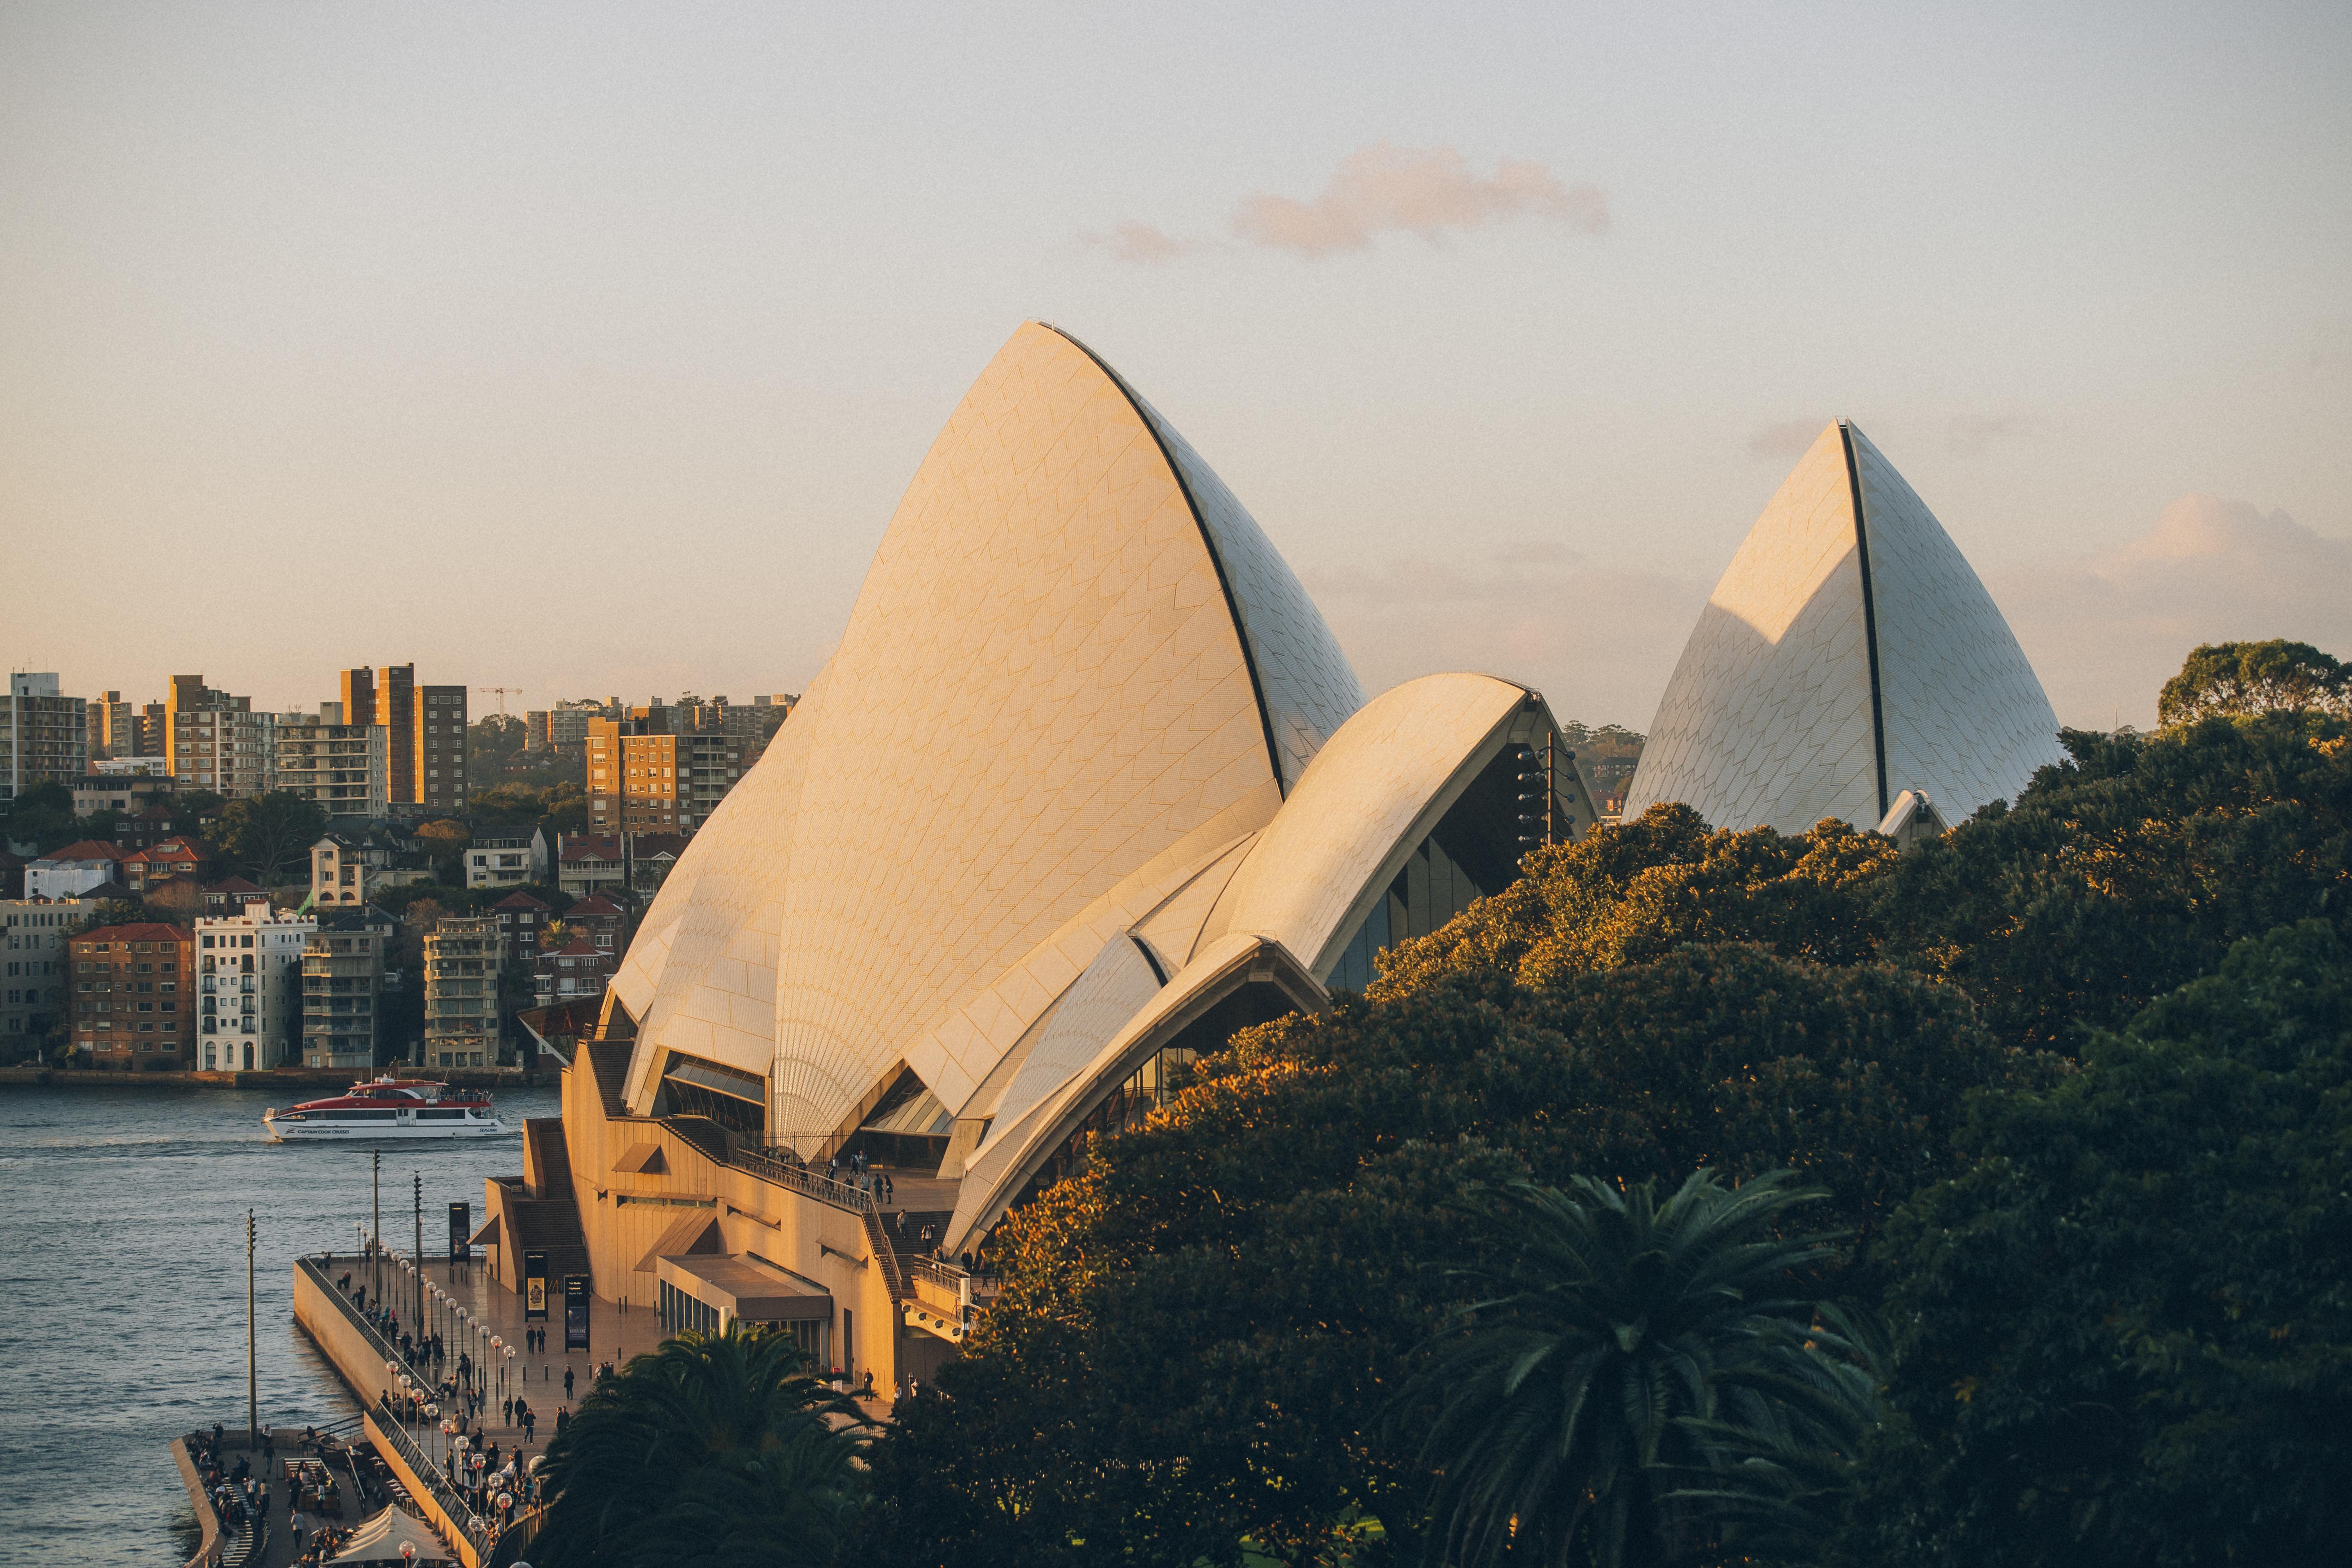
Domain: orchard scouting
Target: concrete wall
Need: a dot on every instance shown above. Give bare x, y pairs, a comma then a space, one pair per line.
333, 1330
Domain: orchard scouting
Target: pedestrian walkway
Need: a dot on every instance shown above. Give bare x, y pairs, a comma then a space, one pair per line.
467, 1309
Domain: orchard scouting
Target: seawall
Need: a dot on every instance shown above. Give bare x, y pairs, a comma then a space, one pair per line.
278, 1077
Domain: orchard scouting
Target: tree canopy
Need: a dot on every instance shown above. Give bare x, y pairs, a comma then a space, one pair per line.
42, 816
1198, 1334
2073, 1079
2125, 1334
1619, 1331
2238, 679
269, 836
711, 1451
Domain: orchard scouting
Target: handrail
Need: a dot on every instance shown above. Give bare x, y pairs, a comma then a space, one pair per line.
943, 1274
519, 1533
879, 1240
453, 1505
421, 1465
841, 1195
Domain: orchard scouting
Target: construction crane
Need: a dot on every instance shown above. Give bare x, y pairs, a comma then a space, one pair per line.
504, 692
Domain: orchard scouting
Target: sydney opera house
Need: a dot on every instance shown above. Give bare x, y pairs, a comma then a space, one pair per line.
1088, 785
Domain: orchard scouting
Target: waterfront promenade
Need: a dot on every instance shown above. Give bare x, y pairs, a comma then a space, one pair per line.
469, 1310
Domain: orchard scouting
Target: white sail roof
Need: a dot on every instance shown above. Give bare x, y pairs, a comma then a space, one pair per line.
1849, 653
1077, 669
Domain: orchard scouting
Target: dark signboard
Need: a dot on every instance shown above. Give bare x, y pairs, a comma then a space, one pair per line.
575, 1311
534, 1285
461, 1232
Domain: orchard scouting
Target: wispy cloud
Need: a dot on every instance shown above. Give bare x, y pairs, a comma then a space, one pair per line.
1141, 244
2105, 630
1431, 192
1974, 435
1785, 441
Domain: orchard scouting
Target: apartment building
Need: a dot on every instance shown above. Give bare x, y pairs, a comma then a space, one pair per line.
124, 794
344, 770
425, 734
216, 741
34, 969
441, 748
250, 984
461, 993
343, 989
132, 1005
113, 728
657, 771
387, 696
44, 736
563, 728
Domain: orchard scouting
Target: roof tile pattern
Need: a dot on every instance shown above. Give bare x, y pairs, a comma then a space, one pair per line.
701, 975
1966, 721
1369, 799
1309, 688
1102, 999
1767, 719
1039, 708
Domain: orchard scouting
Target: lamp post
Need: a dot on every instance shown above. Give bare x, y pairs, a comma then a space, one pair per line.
252, 1382
419, 1253
375, 1251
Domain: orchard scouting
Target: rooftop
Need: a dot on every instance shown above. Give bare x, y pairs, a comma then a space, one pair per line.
141, 931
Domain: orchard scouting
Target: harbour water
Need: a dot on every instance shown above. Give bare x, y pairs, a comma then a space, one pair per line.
122, 1290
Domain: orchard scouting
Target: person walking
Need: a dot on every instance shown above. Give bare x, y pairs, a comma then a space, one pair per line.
529, 1421
567, 1383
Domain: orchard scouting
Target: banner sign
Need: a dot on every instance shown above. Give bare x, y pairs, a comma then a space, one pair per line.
534, 1285
461, 1231
575, 1311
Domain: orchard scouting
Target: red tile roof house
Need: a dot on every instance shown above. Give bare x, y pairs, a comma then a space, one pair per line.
600, 920
73, 871
590, 861
577, 972
178, 855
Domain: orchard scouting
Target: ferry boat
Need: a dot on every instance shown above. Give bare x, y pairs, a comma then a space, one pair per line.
388, 1107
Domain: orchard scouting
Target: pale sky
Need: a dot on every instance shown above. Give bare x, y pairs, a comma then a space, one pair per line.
587, 349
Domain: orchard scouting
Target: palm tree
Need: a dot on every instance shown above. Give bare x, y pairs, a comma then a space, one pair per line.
1775, 1480
709, 1451
1616, 1317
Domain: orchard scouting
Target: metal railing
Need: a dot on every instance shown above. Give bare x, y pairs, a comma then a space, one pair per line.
421, 1465
453, 1505
941, 1287
783, 1173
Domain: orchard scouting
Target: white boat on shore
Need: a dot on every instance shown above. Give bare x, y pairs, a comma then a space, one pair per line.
388, 1108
